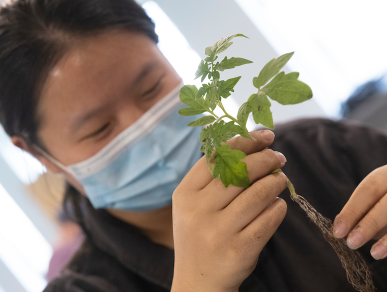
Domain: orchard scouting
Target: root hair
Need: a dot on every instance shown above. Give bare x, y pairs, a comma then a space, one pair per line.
358, 273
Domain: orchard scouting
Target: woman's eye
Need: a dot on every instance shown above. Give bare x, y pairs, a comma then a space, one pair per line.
99, 131
152, 89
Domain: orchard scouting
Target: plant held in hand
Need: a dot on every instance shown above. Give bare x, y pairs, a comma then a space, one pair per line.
227, 164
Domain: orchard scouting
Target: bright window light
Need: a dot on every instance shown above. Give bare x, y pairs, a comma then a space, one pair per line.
173, 44
22, 247
339, 44
177, 50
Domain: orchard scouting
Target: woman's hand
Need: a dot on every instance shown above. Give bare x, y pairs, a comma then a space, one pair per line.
219, 232
364, 217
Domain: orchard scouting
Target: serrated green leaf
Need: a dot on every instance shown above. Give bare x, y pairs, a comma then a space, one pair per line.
289, 92
208, 51
187, 111
215, 75
209, 59
231, 63
230, 168
202, 70
271, 69
260, 107
202, 91
188, 97
223, 47
188, 94
211, 98
225, 87
251, 97
245, 134
221, 132
243, 114
216, 134
282, 77
202, 121
220, 46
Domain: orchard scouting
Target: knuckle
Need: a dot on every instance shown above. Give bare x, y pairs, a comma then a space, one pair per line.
264, 190
234, 142
278, 212
270, 156
348, 214
371, 224
370, 186
260, 192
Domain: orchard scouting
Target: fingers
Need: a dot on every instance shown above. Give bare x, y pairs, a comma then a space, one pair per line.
369, 226
199, 176
379, 249
262, 228
366, 195
259, 164
250, 203
263, 139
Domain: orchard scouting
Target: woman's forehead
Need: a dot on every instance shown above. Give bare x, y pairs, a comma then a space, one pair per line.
96, 56
97, 67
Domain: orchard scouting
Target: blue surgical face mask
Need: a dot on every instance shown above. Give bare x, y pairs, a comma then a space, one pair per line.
141, 167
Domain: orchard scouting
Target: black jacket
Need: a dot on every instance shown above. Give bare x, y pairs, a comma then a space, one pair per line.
326, 161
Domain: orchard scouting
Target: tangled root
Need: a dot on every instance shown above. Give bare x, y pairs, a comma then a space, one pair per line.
357, 270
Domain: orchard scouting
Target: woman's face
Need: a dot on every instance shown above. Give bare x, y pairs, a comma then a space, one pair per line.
99, 88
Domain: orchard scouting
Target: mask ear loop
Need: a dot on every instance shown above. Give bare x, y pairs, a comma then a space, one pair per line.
53, 160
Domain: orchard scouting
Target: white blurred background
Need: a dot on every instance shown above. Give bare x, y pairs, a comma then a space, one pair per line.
339, 45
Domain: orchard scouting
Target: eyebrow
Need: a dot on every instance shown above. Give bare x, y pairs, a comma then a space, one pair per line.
79, 121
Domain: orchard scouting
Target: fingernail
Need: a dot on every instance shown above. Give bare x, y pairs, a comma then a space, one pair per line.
267, 135
281, 157
355, 240
340, 230
379, 252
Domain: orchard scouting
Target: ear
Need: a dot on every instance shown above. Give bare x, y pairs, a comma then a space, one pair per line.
22, 144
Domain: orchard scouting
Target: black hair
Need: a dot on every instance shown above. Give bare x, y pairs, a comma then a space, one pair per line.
34, 35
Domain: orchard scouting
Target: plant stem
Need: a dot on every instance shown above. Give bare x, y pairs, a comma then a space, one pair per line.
220, 118
212, 113
226, 113
291, 188
293, 194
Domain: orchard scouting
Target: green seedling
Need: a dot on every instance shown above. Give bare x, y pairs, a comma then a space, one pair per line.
225, 163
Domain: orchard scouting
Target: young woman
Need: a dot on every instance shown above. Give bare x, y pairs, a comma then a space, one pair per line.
85, 90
